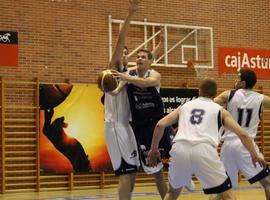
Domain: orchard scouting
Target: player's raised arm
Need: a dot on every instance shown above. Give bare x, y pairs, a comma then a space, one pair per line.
116, 59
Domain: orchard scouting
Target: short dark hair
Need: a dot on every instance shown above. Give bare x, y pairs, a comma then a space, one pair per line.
149, 54
208, 88
249, 77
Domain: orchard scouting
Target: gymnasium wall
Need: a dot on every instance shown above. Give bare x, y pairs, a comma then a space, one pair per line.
68, 39
62, 40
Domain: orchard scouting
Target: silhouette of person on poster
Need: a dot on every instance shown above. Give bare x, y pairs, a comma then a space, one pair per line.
70, 147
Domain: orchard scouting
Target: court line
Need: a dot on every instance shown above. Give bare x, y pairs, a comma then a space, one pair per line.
137, 194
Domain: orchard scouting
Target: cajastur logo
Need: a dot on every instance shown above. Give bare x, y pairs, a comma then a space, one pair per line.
244, 60
232, 59
5, 37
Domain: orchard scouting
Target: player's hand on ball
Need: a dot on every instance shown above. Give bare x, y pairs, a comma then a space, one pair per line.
120, 75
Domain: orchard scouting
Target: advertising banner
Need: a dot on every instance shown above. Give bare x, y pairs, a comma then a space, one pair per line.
8, 48
232, 59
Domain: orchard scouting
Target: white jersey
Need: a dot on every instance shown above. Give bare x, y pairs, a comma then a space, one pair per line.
245, 107
117, 107
119, 136
200, 121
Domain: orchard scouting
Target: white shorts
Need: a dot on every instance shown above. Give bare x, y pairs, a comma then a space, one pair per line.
122, 147
237, 158
203, 161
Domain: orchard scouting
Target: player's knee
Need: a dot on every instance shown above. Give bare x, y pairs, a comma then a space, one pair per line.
265, 182
127, 182
228, 195
215, 197
158, 175
174, 192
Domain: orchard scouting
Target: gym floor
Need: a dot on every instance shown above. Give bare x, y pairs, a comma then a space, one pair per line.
245, 192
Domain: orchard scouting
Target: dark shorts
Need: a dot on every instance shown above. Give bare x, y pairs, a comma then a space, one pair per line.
144, 135
125, 168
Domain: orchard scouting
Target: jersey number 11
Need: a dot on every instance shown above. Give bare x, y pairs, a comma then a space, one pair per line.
248, 117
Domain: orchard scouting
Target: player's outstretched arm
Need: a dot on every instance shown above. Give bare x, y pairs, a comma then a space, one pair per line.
222, 98
151, 81
116, 60
168, 120
233, 126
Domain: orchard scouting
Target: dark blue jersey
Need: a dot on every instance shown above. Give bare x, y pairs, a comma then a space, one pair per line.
147, 109
145, 103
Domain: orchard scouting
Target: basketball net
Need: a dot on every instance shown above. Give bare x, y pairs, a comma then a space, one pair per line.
200, 70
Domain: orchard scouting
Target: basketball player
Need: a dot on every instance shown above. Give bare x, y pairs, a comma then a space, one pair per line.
160, 182
119, 136
245, 106
194, 149
147, 109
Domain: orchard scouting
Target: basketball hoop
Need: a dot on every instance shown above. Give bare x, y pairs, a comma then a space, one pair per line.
200, 67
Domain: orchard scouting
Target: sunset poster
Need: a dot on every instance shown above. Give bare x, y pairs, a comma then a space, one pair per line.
71, 129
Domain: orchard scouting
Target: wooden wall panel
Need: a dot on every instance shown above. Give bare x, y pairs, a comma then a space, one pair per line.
20, 168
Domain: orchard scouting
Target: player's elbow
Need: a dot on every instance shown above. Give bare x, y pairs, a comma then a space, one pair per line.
150, 84
161, 125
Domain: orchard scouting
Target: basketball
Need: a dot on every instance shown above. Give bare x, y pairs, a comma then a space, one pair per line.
106, 81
